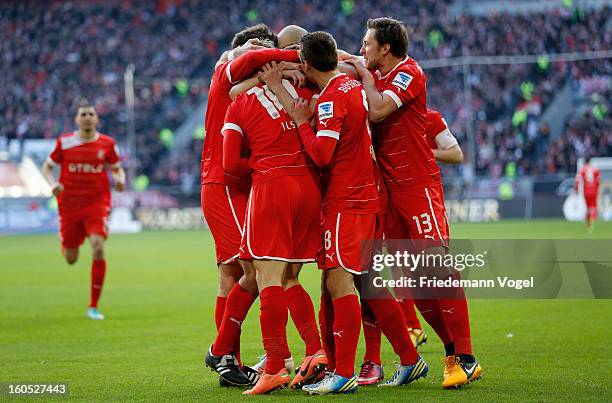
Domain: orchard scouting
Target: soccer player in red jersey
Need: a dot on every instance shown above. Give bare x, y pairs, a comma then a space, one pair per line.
224, 196
588, 177
397, 104
282, 226
446, 149
350, 205
83, 194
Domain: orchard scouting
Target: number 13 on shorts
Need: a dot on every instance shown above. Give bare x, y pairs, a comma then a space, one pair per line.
423, 223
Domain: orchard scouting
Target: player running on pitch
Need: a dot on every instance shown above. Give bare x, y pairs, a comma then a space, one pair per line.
83, 194
397, 104
588, 177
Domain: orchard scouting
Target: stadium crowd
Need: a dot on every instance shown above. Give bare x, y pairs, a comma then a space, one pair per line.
55, 53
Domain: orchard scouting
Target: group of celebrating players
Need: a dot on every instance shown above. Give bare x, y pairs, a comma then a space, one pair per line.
310, 153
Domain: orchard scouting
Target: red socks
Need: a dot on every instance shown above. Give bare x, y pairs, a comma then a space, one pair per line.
371, 334
302, 313
432, 313
455, 315
412, 320
391, 321
326, 321
347, 325
237, 306
98, 270
219, 309
273, 320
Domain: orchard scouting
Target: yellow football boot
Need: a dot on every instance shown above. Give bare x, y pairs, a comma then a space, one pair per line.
458, 373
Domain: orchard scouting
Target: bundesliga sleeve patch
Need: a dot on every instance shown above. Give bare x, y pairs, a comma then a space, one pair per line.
326, 110
402, 80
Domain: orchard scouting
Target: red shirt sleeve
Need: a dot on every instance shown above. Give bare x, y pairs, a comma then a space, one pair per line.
233, 162
56, 155
113, 156
405, 86
320, 149
330, 115
244, 66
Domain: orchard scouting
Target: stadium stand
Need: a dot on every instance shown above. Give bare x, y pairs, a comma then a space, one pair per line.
56, 52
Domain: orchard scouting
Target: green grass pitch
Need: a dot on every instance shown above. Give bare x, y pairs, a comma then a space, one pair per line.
159, 301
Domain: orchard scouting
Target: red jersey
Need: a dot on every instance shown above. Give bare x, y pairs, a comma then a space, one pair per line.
589, 177
439, 135
347, 183
404, 157
226, 75
269, 134
83, 173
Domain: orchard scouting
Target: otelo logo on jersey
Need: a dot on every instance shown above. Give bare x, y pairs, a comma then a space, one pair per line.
326, 110
85, 168
402, 80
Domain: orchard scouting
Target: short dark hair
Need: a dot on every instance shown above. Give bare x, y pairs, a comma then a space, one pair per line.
319, 49
259, 31
392, 32
587, 159
84, 103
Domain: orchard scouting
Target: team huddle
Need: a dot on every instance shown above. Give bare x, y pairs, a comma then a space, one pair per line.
310, 153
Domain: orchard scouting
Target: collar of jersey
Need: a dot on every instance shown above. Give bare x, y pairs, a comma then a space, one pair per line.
393, 69
329, 82
96, 137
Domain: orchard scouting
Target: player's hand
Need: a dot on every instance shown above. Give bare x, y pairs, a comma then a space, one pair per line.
301, 112
57, 189
359, 66
271, 75
296, 77
119, 186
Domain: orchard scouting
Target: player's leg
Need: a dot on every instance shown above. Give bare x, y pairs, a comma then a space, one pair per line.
371, 371
326, 323
591, 203
388, 314
273, 320
97, 231
302, 313
343, 232
71, 234
413, 324
229, 274
71, 255
223, 210
400, 223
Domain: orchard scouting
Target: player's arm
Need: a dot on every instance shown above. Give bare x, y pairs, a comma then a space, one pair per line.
244, 66
345, 66
319, 147
229, 55
233, 161
118, 175
380, 105
287, 70
47, 170
452, 155
243, 87
577, 181
448, 148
